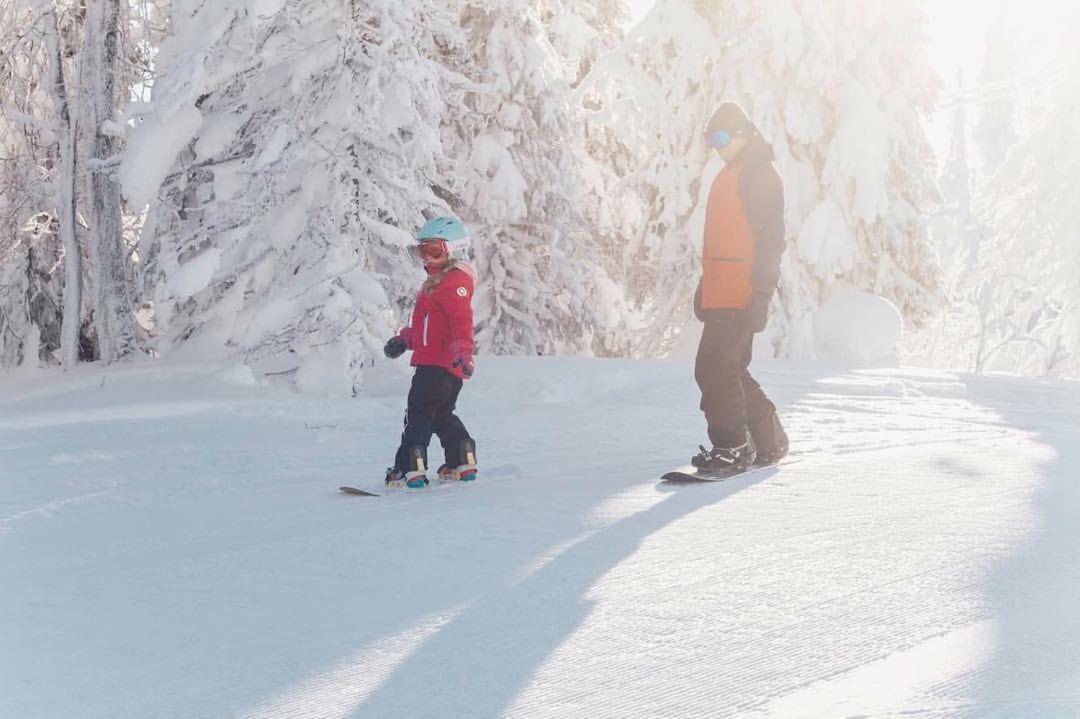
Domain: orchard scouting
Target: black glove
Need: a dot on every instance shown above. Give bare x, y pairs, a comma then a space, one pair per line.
757, 311
395, 347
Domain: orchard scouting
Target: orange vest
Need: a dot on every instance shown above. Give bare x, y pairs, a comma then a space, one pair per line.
727, 257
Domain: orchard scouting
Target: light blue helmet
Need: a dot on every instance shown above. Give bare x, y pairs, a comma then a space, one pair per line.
450, 231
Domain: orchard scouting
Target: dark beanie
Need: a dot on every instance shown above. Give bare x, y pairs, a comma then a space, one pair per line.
730, 118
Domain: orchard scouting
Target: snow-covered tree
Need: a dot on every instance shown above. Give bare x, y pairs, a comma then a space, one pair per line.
291, 150
69, 76
67, 189
646, 110
840, 88
993, 311
996, 130
997, 316
1031, 204
19, 137
957, 180
37, 188
543, 283
959, 238
581, 31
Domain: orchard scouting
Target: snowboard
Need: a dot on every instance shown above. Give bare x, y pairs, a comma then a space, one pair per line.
689, 474
501, 472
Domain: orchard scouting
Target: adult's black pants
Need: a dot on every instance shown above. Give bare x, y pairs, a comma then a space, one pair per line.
730, 397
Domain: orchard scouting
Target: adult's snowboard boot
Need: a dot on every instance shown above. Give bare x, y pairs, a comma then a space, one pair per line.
725, 460
770, 439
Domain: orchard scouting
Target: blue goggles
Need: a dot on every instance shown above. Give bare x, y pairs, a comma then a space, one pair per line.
718, 139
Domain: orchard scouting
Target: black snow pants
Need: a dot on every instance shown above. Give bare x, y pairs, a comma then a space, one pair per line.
432, 399
730, 398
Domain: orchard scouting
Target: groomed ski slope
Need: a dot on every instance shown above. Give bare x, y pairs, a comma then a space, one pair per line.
172, 545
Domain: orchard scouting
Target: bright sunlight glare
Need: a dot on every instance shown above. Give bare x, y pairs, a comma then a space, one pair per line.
958, 29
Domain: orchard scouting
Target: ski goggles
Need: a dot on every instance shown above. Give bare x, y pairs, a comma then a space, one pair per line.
718, 139
431, 250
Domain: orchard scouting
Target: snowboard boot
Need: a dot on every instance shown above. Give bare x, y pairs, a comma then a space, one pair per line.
461, 473
466, 470
770, 439
394, 477
725, 460
415, 477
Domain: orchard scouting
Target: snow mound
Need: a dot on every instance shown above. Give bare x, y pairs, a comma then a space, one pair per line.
857, 329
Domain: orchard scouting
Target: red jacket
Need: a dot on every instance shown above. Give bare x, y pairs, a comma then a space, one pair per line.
441, 331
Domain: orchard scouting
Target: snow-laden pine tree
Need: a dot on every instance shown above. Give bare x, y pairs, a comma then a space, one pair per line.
1031, 269
958, 335
581, 31
840, 88
543, 287
646, 108
996, 131
292, 149
957, 180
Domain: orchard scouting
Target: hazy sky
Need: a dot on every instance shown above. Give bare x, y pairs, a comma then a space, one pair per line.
639, 7
957, 32
957, 27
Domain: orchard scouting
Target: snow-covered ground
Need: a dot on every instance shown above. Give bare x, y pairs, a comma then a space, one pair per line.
172, 545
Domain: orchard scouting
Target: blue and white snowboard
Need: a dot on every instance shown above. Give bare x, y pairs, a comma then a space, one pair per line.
501, 472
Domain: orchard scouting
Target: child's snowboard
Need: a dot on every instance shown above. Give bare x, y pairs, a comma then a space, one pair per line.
501, 472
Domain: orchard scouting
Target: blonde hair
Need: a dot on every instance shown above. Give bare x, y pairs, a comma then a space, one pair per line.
433, 280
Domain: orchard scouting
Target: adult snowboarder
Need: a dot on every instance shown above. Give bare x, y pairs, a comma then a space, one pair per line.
744, 239
440, 336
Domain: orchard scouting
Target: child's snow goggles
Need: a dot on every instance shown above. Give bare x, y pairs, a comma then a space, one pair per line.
431, 250
718, 139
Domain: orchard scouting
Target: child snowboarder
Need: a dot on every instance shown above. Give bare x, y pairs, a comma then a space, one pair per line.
440, 336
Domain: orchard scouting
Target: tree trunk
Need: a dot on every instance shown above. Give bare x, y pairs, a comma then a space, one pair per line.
100, 67
66, 193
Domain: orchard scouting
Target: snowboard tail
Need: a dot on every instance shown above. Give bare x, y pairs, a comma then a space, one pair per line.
357, 491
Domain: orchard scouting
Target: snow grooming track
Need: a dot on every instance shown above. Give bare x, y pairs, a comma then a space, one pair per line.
918, 561
499, 473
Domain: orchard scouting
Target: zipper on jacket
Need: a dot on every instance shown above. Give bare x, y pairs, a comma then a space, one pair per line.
425, 329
